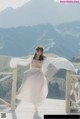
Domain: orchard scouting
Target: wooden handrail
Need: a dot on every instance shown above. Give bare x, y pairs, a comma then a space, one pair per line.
13, 97
5, 73
4, 78
74, 91
12, 74
5, 102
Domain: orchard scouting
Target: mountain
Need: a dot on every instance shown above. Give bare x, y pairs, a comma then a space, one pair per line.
63, 40
39, 12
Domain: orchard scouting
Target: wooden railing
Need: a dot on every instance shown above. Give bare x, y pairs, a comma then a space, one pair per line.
72, 87
8, 75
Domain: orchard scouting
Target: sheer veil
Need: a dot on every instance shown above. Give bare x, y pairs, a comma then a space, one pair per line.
57, 62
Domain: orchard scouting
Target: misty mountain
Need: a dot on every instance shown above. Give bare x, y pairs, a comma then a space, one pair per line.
63, 40
39, 12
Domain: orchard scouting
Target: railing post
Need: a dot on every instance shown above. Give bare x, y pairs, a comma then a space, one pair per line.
68, 88
79, 89
13, 97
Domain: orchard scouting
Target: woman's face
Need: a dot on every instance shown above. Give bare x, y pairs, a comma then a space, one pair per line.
38, 52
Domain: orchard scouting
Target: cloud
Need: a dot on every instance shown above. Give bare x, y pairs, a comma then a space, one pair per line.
11, 3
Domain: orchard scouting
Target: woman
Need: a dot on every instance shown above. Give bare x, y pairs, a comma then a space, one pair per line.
34, 87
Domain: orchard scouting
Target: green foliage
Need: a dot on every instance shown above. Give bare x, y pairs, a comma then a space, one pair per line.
56, 88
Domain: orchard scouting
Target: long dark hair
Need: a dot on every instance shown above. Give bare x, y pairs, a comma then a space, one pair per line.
41, 57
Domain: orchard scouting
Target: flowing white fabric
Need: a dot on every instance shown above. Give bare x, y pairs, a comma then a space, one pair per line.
59, 63
20, 61
34, 87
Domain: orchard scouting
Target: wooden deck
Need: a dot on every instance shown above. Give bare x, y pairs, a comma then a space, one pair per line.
25, 110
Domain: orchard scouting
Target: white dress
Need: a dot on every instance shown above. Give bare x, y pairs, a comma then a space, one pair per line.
34, 86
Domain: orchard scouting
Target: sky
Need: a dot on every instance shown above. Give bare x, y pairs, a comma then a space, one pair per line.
11, 3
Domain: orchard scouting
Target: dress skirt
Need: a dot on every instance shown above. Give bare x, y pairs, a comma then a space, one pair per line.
34, 87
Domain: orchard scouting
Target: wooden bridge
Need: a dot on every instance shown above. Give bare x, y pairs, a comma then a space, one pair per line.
50, 106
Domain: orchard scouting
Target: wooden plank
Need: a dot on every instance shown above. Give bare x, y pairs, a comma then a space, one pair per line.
13, 97
5, 73
79, 90
4, 78
74, 91
78, 102
75, 77
68, 88
76, 85
3, 101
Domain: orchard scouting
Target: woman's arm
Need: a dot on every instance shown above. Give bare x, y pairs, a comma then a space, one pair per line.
19, 61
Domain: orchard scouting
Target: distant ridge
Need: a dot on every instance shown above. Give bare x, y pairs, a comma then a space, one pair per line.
62, 40
39, 12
